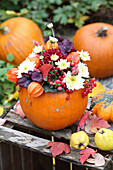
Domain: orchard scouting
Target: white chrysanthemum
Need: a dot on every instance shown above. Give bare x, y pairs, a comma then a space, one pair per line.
32, 55
54, 57
38, 49
83, 70
50, 25
53, 39
84, 55
73, 82
41, 57
63, 64
24, 67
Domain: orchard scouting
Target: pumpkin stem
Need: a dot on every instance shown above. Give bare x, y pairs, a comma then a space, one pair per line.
102, 32
5, 30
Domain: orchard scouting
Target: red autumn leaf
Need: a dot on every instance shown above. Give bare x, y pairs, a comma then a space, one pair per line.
19, 110
97, 124
45, 69
97, 160
85, 154
94, 124
82, 121
58, 148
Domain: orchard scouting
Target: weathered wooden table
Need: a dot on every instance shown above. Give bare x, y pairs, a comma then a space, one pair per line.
23, 147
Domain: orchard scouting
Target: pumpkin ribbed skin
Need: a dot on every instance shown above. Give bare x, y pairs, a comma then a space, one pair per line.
102, 105
20, 39
52, 111
99, 48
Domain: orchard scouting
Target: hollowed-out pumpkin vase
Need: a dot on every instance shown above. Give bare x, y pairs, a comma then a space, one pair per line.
52, 111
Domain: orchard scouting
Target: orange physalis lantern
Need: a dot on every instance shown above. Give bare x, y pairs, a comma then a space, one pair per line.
12, 74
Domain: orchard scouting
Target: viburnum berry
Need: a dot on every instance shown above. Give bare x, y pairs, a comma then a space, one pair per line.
73, 72
72, 64
77, 71
73, 68
57, 81
59, 88
95, 85
19, 90
62, 83
76, 66
51, 83
36, 43
63, 76
67, 98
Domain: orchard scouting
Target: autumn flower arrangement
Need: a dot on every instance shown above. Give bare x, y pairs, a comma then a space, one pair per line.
55, 67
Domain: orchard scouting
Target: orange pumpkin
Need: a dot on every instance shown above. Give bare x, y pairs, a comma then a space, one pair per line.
48, 45
102, 105
97, 39
18, 38
52, 111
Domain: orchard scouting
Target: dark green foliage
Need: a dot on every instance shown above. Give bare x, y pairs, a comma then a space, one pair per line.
6, 87
57, 11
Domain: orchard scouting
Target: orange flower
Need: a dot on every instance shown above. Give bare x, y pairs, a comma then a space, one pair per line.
12, 75
73, 56
36, 60
48, 45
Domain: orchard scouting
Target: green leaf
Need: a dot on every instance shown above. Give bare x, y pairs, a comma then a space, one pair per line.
10, 57
9, 66
2, 63
3, 71
48, 89
2, 28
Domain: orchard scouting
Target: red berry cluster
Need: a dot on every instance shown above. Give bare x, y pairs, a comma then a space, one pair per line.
88, 86
55, 79
74, 68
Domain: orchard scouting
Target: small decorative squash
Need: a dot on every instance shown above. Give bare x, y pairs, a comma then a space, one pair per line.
18, 38
102, 105
52, 111
97, 39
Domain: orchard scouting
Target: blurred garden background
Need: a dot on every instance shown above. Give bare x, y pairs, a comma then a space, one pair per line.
67, 17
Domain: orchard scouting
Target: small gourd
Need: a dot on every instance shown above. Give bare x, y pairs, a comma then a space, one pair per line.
102, 105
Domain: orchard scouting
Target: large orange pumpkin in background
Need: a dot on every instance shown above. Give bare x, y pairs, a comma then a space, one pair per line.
18, 38
97, 39
52, 111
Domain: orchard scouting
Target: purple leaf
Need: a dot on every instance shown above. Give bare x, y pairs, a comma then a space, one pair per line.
37, 76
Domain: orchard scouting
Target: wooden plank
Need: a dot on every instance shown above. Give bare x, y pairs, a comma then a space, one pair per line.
41, 161
60, 164
26, 124
16, 158
26, 156
37, 144
5, 156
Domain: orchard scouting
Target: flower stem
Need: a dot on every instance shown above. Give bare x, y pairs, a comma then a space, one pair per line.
53, 32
